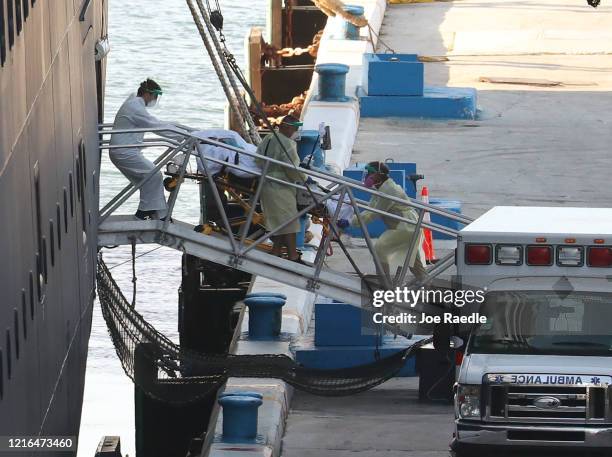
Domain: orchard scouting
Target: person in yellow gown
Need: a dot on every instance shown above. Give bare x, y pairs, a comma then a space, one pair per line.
279, 201
399, 234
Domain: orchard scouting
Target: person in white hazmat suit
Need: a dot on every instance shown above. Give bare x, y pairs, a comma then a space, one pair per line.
131, 161
399, 235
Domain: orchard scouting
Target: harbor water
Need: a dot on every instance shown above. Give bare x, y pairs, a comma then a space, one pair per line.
155, 39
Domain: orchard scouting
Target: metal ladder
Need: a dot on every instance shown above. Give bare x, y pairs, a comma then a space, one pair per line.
241, 251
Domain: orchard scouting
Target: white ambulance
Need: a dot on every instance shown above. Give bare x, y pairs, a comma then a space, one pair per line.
538, 373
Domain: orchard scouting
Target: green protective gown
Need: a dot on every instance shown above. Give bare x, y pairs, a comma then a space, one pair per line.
278, 201
395, 241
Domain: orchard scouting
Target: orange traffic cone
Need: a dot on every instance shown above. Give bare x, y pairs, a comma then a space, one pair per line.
428, 246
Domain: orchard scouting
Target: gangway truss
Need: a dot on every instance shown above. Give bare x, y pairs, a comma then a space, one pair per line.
244, 248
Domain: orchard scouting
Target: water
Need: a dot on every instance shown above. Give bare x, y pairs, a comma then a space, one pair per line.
156, 39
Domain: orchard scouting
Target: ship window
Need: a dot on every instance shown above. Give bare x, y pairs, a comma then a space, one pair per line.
24, 320
65, 210
2, 35
71, 186
1, 375
10, 24
39, 277
52, 241
58, 216
18, 15
9, 361
84, 219
16, 331
31, 289
83, 154
45, 270
81, 182
79, 176
37, 205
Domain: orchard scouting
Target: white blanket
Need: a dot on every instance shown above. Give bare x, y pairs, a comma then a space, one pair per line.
231, 138
346, 210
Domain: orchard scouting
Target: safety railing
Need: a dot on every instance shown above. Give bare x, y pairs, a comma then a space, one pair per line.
337, 188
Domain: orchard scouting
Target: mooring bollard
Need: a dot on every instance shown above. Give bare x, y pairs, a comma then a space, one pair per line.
241, 393
351, 31
240, 415
332, 82
265, 317
266, 294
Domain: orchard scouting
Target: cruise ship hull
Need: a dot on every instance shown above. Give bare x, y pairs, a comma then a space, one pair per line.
51, 93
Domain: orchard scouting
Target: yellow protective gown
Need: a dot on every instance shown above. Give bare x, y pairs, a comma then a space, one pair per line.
278, 201
398, 236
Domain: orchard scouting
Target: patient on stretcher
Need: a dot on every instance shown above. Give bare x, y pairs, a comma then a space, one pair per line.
231, 138
244, 179
245, 161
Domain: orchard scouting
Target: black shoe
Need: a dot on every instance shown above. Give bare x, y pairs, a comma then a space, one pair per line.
145, 215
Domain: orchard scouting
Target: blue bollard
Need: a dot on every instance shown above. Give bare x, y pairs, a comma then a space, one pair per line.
332, 82
351, 32
266, 294
240, 416
241, 393
265, 317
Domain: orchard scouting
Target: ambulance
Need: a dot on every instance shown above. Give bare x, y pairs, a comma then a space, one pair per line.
537, 374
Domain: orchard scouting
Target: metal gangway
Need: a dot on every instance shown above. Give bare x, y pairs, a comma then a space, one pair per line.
244, 250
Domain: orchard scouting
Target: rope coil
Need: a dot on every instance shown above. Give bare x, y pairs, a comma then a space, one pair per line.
335, 8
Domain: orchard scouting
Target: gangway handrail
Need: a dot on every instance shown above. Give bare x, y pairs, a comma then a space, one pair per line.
146, 144
338, 187
147, 141
318, 173
362, 204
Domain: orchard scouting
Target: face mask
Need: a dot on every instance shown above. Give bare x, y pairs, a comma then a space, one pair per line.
296, 136
369, 181
152, 103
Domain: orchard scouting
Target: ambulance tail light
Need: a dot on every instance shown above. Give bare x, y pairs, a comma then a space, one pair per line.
478, 254
599, 256
570, 256
539, 255
458, 358
508, 255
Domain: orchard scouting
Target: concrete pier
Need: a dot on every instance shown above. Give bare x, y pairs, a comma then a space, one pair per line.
542, 138
543, 71
388, 421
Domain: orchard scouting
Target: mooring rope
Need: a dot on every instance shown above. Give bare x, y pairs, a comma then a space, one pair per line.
244, 109
235, 109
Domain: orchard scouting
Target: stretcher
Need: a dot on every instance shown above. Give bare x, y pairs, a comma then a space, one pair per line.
237, 186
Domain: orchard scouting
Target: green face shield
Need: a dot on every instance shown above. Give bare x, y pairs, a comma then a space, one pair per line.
297, 125
156, 92
370, 169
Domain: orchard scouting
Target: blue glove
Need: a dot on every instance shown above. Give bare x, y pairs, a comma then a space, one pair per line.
309, 180
343, 223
